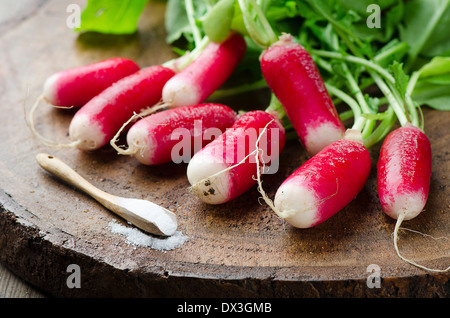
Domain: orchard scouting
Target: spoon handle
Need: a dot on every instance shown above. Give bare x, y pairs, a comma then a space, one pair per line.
58, 168
143, 214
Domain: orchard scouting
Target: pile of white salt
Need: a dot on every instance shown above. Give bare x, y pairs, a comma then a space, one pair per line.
138, 238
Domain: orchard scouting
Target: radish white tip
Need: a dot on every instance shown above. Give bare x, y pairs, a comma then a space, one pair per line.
206, 174
203, 170
410, 204
49, 89
296, 205
141, 144
89, 135
132, 150
320, 136
213, 181
178, 92
208, 179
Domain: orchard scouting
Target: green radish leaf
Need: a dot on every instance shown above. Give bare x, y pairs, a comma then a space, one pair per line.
373, 102
176, 21
432, 87
279, 11
435, 97
439, 41
425, 28
360, 6
305, 11
112, 16
438, 66
395, 50
401, 79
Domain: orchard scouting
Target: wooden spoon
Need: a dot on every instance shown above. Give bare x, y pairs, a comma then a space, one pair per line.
146, 215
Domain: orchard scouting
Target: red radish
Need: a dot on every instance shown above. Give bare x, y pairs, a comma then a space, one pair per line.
224, 169
152, 139
76, 86
403, 178
324, 184
96, 123
293, 77
403, 172
196, 82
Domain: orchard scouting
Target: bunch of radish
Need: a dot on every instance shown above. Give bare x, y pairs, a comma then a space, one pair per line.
295, 80
340, 163
116, 92
159, 104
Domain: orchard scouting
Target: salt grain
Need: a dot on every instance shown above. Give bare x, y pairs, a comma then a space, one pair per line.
138, 238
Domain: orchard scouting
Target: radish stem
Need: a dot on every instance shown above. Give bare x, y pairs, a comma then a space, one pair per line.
397, 107
263, 36
355, 109
195, 30
353, 59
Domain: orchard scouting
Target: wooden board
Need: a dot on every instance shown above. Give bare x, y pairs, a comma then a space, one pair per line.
239, 249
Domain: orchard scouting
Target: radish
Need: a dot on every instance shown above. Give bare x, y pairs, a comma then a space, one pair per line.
293, 77
154, 139
98, 121
76, 86
224, 169
196, 82
403, 172
324, 184
404, 166
403, 177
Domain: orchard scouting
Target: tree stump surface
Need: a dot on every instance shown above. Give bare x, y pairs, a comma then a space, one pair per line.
238, 249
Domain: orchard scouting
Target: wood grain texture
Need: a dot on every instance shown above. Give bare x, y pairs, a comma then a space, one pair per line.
239, 249
12, 286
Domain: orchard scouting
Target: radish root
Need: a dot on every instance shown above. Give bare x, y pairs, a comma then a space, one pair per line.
30, 123
397, 228
265, 197
133, 149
